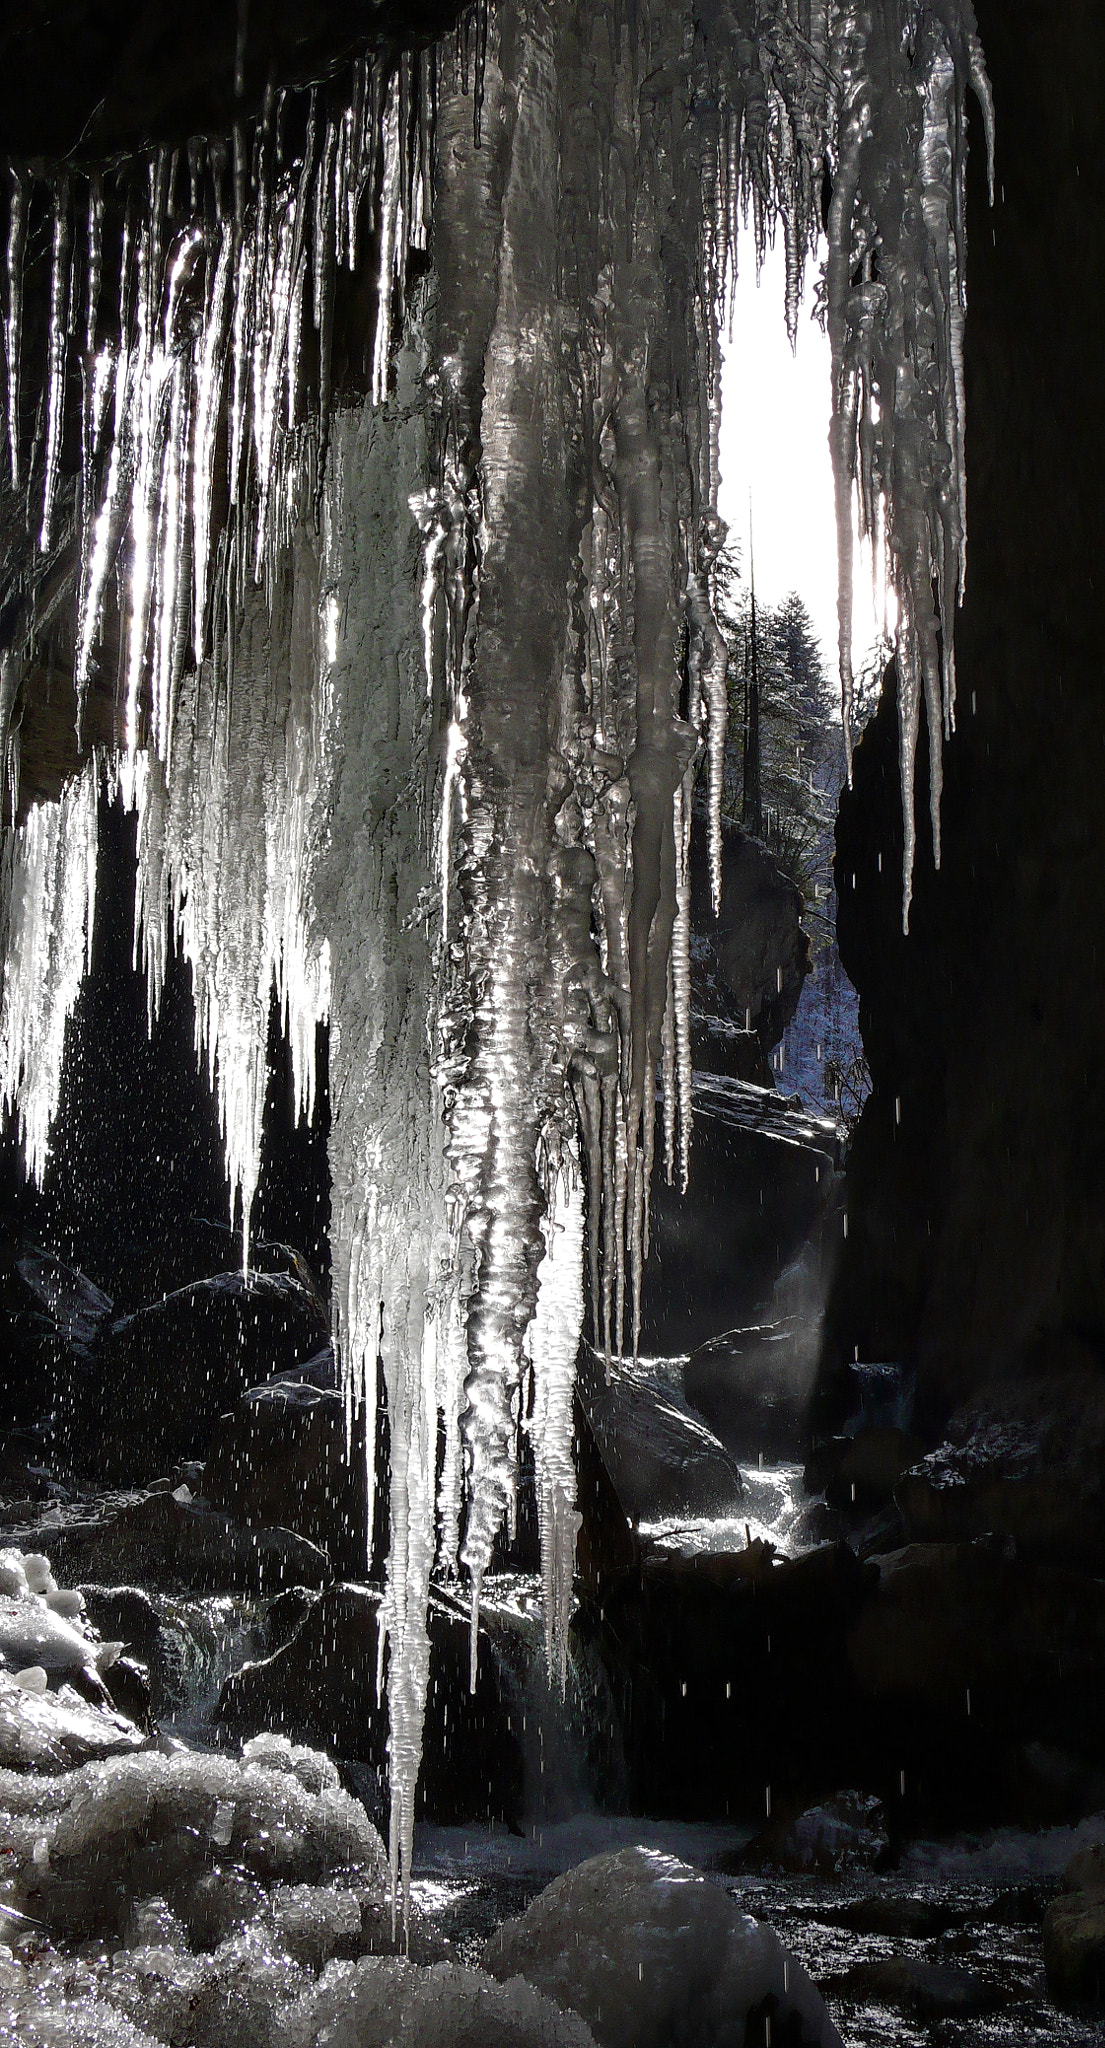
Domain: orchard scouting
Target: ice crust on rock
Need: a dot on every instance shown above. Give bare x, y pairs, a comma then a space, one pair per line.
78, 2023
415, 686
46, 1730
381, 2003
159, 1824
650, 1952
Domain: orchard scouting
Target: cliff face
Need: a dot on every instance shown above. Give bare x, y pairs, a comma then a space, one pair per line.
976, 1240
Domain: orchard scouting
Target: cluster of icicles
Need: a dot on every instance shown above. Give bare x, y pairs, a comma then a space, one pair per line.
458, 830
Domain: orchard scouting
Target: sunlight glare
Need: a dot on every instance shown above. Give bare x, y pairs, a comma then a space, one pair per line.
774, 446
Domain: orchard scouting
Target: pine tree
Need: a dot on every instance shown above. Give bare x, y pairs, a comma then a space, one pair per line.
785, 757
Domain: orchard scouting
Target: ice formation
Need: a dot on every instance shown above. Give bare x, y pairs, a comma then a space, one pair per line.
412, 619
649, 1951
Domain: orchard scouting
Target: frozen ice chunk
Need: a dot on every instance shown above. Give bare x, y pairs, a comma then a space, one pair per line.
229, 2000
384, 2003
315, 1771
152, 1923
84, 2023
651, 1952
40, 1579
67, 1602
32, 1679
316, 1922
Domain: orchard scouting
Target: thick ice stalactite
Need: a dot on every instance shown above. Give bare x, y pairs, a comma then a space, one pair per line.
416, 682
374, 892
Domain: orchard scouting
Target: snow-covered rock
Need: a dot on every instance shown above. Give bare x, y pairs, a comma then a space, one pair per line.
41, 1730
650, 1952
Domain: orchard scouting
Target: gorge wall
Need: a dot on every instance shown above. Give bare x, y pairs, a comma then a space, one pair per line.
976, 1239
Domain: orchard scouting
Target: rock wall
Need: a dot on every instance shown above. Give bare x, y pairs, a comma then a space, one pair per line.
976, 1242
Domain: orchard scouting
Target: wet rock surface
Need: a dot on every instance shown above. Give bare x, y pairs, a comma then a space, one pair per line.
662, 1459
845, 1833
164, 1540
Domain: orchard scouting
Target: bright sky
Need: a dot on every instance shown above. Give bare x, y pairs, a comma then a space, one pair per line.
775, 447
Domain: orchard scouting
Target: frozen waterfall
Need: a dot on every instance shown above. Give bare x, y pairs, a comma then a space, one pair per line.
374, 449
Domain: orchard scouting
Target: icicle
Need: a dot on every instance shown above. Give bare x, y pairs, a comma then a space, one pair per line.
210, 375
710, 664
390, 200
553, 1338
18, 194
57, 351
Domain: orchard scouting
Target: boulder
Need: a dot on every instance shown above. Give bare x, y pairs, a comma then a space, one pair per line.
1024, 1460
1074, 1948
280, 1460
861, 1472
321, 1686
842, 1834
168, 1541
1086, 1870
906, 1917
930, 1990
661, 1458
648, 1951
209, 1341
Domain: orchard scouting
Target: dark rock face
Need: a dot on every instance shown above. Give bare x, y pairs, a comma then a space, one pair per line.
762, 1178
280, 1460
975, 1211
749, 963
322, 1683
